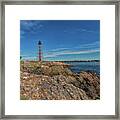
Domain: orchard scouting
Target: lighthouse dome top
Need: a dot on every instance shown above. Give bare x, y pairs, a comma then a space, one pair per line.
39, 42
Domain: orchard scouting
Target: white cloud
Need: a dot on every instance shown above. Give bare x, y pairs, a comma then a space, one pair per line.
70, 53
90, 45
58, 49
30, 27
85, 30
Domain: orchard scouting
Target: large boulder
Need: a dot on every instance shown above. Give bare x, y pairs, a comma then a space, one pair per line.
55, 81
90, 83
50, 88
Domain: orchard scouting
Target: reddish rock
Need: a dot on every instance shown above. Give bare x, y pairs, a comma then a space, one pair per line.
55, 81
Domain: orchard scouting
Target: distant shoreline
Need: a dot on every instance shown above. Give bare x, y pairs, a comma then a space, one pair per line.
76, 61
65, 61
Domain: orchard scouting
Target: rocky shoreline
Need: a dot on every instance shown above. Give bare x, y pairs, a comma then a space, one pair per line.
55, 81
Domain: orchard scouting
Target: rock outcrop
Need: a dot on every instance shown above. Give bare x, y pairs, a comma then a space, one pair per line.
55, 81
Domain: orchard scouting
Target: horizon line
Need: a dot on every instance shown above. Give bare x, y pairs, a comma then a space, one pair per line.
62, 60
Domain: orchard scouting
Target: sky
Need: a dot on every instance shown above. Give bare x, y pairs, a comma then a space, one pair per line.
61, 39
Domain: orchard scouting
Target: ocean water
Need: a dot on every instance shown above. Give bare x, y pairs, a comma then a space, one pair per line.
77, 67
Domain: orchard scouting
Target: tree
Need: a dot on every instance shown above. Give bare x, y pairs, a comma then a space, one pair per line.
20, 57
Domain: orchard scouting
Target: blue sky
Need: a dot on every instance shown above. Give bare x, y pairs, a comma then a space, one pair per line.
61, 39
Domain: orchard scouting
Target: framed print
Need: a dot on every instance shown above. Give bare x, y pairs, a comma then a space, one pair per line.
59, 59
